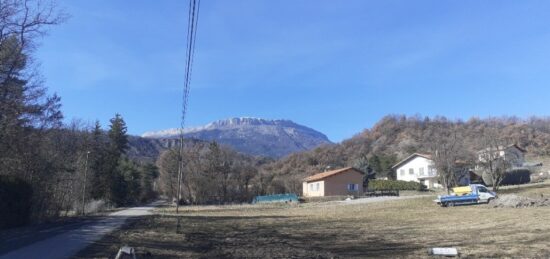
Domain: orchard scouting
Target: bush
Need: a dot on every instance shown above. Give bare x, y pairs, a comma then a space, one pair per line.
379, 185
15, 205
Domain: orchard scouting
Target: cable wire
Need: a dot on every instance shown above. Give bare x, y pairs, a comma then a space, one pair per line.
192, 24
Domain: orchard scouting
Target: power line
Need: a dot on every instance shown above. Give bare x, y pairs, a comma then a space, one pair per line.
192, 23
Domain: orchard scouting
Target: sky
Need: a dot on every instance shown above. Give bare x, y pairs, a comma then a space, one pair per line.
335, 66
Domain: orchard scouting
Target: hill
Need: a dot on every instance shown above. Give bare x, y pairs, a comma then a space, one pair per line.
396, 136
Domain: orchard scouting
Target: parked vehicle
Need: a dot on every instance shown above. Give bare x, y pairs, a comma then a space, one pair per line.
472, 194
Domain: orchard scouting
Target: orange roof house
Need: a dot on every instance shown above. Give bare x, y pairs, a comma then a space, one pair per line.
344, 181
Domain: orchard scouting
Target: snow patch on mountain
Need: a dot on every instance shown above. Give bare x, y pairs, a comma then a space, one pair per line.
250, 135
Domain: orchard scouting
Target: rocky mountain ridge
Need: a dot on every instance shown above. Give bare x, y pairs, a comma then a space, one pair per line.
253, 136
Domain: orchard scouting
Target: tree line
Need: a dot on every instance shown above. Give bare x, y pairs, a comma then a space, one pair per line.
48, 169
212, 174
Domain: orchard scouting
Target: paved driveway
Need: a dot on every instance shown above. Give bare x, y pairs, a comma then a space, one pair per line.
66, 240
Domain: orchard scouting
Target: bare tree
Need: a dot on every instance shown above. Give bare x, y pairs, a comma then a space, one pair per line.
168, 169
494, 160
448, 154
211, 174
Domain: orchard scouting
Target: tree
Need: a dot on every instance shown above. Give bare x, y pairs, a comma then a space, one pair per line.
98, 163
29, 116
211, 174
448, 154
118, 135
118, 143
25, 108
129, 178
494, 161
382, 165
168, 172
219, 168
149, 174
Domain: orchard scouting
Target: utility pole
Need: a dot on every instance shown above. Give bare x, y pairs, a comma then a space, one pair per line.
180, 173
84, 189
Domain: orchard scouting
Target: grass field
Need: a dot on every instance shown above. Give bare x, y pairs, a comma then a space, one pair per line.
404, 228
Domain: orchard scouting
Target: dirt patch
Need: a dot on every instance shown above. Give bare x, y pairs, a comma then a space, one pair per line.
515, 201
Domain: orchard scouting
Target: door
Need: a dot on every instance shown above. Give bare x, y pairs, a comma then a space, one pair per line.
483, 193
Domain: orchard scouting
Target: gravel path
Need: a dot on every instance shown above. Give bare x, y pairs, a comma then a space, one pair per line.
66, 241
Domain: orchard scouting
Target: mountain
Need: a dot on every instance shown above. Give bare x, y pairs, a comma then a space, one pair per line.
253, 136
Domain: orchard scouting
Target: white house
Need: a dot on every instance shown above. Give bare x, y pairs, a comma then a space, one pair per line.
512, 153
418, 168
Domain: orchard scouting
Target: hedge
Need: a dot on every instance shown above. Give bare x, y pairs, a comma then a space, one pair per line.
379, 185
15, 205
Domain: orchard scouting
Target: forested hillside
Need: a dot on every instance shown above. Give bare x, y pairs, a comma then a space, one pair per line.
397, 136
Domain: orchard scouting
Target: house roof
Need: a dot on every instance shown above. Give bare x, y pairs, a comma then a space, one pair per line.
407, 159
504, 148
323, 175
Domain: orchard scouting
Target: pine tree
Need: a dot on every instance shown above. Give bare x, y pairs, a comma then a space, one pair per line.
117, 135
100, 182
118, 143
149, 173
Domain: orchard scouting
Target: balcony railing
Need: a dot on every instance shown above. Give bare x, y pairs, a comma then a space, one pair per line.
429, 174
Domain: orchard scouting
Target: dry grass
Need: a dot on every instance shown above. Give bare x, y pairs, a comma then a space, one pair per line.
536, 190
404, 228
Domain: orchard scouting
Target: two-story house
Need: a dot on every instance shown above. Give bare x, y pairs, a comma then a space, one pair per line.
514, 154
418, 168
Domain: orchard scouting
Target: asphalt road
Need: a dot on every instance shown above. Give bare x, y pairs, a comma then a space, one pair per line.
64, 241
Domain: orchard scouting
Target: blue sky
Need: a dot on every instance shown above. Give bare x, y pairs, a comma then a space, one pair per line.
335, 66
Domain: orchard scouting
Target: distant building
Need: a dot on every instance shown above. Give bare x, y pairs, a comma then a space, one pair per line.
512, 153
345, 181
417, 168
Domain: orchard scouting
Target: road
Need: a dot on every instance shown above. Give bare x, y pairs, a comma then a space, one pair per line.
66, 240
381, 199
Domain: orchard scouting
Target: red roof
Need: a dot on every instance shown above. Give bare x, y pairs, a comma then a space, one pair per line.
320, 176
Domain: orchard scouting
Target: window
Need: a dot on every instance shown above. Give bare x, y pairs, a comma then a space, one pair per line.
421, 171
481, 189
353, 187
411, 171
431, 170
402, 172
314, 187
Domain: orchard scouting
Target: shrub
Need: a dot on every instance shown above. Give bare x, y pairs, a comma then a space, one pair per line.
15, 205
379, 185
